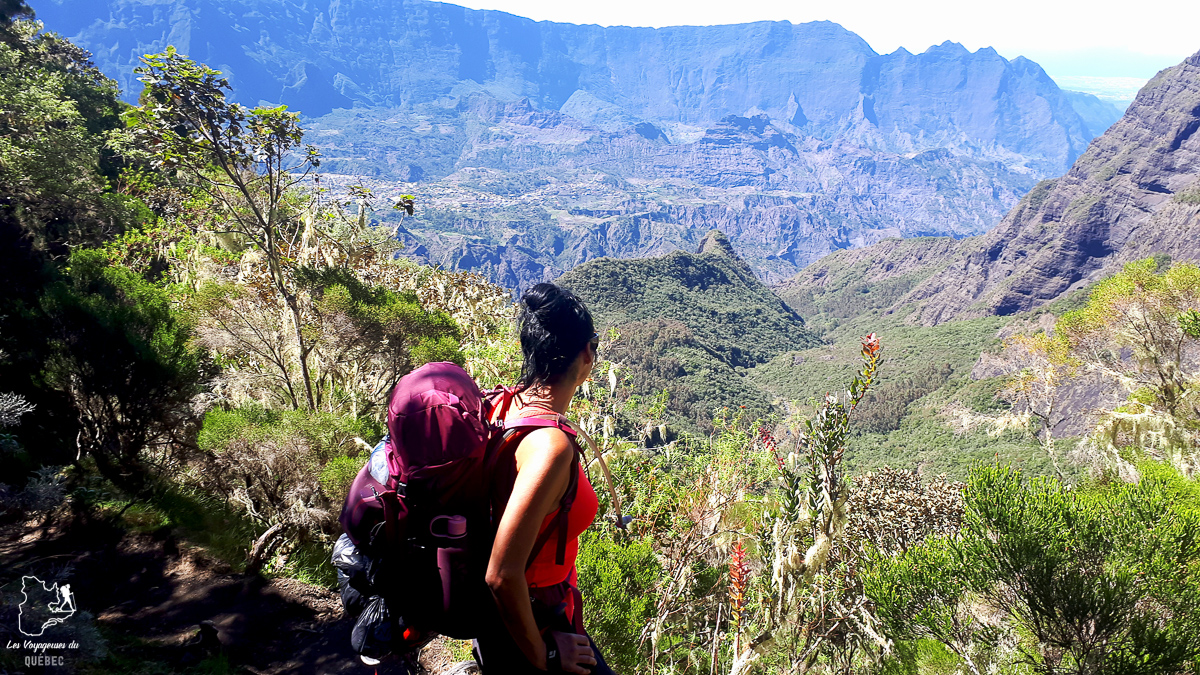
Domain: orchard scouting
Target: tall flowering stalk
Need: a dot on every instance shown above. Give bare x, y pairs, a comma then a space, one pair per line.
824, 443
812, 514
739, 579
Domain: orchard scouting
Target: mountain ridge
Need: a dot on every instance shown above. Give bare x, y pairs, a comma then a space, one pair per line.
692, 324
818, 77
797, 140
695, 288
1135, 193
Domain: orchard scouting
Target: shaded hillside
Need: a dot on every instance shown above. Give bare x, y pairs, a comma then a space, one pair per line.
665, 355
712, 292
692, 324
1135, 193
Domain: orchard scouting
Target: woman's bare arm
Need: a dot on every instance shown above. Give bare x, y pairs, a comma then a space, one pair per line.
544, 465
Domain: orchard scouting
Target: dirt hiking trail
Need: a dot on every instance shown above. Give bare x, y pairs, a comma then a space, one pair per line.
157, 600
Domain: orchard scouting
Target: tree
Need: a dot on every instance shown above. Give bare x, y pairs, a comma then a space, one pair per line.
245, 162
1131, 330
54, 167
1041, 365
11, 9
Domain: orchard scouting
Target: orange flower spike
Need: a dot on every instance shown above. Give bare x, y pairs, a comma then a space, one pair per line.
739, 572
870, 345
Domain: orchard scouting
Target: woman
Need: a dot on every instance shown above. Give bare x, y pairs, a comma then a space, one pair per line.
539, 601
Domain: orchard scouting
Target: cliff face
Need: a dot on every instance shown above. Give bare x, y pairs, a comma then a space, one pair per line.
1134, 193
818, 78
534, 147
533, 193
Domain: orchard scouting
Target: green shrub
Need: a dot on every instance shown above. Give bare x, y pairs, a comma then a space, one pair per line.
618, 582
327, 435
339, 473
1100, 579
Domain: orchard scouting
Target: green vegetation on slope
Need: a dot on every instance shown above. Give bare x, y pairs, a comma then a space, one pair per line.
665, 355
926, 411
713, 293
690, 324
860, 282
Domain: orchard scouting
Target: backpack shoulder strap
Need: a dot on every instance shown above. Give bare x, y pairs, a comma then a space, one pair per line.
559, 524
514, 432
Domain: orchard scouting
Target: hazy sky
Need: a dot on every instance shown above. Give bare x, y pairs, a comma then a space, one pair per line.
1098, 38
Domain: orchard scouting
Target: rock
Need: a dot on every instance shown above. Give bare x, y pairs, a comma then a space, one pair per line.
1134, 194
817, 77
717, 243
208, 637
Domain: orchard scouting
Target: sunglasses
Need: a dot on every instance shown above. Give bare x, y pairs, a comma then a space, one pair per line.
594, 342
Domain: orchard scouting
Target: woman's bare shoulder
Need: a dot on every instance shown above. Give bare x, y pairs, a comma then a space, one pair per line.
548, 445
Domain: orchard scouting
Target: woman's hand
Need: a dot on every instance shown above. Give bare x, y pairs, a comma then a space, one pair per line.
575, 652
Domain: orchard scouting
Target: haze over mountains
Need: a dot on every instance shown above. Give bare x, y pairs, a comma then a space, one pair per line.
1134, 194
535, 146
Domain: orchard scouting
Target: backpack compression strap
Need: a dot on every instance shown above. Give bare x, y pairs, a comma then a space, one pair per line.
559, 524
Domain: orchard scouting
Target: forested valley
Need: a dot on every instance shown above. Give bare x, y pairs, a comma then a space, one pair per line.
197, 340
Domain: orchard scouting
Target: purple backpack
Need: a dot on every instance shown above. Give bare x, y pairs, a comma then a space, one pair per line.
426, 506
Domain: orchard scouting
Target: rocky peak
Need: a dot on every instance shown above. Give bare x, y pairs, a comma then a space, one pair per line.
1135, 193
406, 53
717, 243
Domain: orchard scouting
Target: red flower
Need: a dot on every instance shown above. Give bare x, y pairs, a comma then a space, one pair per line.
870, 345
739, 577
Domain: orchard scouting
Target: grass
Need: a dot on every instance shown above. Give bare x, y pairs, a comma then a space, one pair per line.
309, 562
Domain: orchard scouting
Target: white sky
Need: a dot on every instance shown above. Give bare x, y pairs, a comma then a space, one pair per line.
1097, 38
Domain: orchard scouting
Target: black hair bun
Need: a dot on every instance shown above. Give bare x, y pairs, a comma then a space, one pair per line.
554, 325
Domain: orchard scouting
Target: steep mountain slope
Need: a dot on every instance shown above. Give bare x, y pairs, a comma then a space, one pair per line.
535, 146
712, 291
817, 77
1135, 193
691, 323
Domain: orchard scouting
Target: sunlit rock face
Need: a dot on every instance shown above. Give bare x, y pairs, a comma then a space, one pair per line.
817, 77
795, 140
1135, 193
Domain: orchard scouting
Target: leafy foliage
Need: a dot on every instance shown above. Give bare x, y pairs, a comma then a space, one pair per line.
619, 582
1100, 580
241, 160
1139, 310
921, 595
125, 360
58, 112
896, 510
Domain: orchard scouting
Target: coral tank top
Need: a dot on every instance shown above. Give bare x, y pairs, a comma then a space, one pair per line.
543, 572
